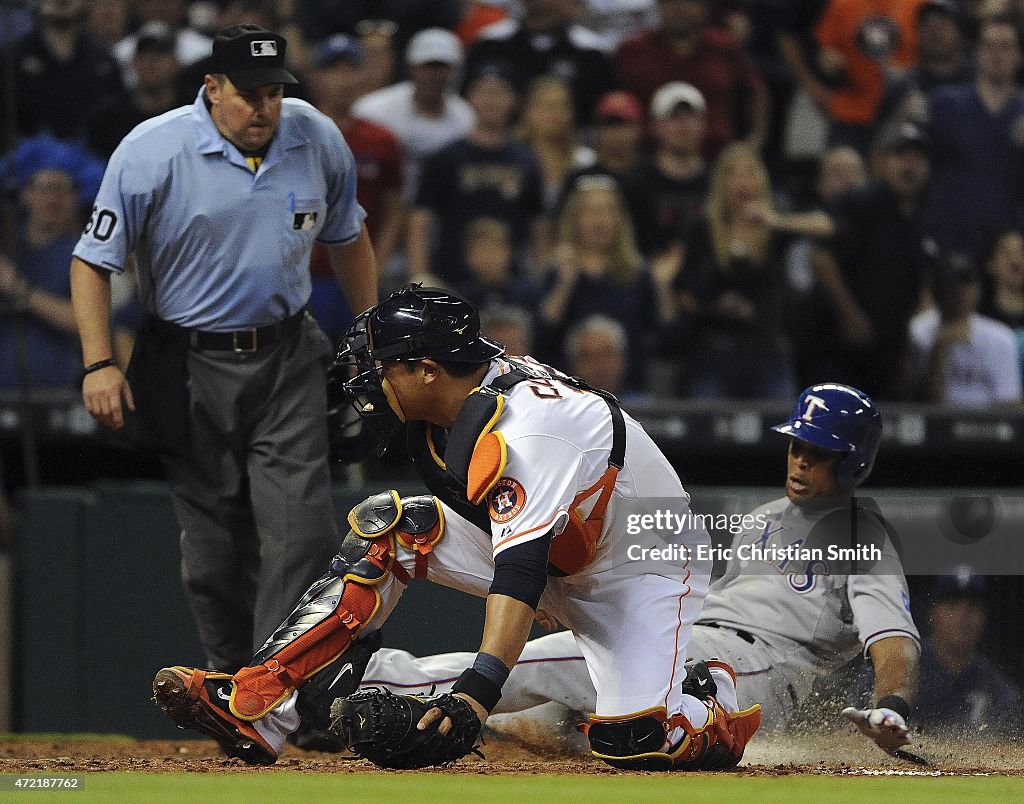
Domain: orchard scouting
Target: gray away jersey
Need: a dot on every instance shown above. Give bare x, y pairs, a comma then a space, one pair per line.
786, 582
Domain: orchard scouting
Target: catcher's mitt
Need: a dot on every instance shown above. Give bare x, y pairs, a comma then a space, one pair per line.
380, 726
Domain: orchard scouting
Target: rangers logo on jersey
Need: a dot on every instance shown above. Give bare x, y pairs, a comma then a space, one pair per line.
506, 500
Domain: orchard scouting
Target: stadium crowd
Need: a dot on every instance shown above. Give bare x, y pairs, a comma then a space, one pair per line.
742, 196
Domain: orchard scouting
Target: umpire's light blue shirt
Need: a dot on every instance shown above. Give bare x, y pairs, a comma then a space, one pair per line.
219, 247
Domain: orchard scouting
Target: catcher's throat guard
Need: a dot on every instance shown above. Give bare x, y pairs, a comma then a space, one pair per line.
335, 609
360, 420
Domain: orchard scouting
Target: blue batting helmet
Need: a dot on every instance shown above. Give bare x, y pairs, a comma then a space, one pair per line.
841, 419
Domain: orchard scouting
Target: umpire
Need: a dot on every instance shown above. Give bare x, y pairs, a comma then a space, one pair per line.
220, 203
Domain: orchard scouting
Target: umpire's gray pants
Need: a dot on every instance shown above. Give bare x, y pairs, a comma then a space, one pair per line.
253, 501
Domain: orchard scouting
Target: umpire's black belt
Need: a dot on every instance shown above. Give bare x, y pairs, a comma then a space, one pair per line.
746, 636
242, 340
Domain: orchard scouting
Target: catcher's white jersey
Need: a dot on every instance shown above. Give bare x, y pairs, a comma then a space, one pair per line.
632, 621
559, 440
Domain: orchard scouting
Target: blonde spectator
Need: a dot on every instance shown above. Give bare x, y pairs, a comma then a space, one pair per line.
732, 278
598, 269
548, 126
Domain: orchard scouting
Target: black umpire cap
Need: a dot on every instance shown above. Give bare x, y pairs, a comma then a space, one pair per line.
251, 57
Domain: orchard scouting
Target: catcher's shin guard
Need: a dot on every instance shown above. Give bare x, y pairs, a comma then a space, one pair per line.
337, 607
337, 680
329, 616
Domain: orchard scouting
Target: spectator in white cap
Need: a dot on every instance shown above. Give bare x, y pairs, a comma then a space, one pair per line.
671, 96
424, 112
666, 191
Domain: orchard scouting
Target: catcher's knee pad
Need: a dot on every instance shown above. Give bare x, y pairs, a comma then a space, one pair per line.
416, 523
638, 741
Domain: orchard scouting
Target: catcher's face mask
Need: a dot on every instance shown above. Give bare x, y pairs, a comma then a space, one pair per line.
359, 417
412, 324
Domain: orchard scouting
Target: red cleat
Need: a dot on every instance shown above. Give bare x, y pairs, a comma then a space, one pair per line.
198, 700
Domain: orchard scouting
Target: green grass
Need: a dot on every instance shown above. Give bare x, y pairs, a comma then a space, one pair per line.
213, 788
62, 737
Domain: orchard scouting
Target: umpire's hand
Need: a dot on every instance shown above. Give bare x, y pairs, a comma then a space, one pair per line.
103, 392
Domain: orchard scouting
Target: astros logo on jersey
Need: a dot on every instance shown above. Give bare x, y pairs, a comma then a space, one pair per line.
507, 499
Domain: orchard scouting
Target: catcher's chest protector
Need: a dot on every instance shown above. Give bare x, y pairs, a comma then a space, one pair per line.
462, 465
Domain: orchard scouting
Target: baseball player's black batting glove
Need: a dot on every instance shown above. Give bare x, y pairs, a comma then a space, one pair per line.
380, 726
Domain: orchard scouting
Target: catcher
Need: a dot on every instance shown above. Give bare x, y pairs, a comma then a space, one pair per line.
534, 476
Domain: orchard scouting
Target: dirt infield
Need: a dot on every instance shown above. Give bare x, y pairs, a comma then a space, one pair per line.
838, 753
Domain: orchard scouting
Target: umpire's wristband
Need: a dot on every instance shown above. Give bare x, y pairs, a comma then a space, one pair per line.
478, 687
896, 704
99, 364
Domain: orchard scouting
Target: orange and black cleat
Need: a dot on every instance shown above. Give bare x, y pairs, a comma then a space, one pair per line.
199, 700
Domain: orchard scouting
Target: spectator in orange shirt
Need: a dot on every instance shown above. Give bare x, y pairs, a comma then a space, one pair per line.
863, 41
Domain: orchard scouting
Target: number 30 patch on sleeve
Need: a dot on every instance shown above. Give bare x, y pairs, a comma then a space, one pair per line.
507, 499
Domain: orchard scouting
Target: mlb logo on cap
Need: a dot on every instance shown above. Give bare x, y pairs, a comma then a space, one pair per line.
263, 47
251, 57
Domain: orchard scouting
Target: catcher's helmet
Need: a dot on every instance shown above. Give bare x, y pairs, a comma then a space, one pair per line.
841, 419
413, 323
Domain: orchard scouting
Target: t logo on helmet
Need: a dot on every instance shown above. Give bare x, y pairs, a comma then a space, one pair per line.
814, 403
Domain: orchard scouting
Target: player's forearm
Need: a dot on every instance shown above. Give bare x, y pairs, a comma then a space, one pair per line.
90, 299
895, 661
355, 268
934, 386
506, 628
809, 224
793, 54
760, 116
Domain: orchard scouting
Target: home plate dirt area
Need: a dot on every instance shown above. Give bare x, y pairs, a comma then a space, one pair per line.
834, 753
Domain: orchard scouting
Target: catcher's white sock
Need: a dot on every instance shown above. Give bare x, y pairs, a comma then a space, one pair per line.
279, 722
726, 689
696, 712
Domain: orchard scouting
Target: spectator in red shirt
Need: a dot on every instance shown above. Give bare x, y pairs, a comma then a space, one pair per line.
687, 48
336, 81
